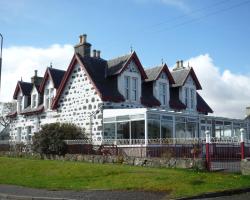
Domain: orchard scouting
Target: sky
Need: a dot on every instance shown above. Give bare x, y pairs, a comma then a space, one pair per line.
213, 36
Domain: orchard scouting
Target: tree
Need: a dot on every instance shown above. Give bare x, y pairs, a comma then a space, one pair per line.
50, 139
6, 108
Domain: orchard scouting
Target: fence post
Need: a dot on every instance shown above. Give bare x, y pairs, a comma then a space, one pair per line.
242, 145
208, 161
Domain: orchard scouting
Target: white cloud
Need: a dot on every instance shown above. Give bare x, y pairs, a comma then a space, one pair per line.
180, 4
227, 93
22, 61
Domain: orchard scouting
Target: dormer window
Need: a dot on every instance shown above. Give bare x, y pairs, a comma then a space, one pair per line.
49, 95
187, 97
192, 92
19, 104
162, 93
34, 100
127, 87
134, 88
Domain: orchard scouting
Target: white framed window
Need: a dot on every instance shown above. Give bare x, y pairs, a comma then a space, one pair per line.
134, 88
34, 100
19, 103
192, 96
187, 97
127, 87
163, 93
49, 95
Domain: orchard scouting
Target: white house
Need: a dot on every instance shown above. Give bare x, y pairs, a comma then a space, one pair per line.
117, 100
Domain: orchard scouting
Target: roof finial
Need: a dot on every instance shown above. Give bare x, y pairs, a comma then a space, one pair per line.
21, 79
162, 61
131, 49
188, 66
50, 65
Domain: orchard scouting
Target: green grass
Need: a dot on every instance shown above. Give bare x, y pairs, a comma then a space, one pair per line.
80, 176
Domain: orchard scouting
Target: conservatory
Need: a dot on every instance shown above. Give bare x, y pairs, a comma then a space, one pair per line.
142, 125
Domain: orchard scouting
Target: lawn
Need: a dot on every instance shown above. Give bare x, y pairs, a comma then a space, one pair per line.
81, 176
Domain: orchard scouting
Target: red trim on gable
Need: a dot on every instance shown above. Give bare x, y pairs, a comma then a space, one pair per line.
198, 85
74, 59
169, 75
138, 63
46, 76
18, 87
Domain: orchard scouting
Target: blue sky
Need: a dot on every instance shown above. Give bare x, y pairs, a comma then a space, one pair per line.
213, 35
150, 26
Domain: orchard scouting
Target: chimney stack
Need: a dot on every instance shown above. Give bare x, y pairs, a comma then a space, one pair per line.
94, 53
181, 65
36, 80
83, 48
98, 54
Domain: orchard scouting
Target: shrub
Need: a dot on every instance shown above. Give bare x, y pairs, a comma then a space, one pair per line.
50, 139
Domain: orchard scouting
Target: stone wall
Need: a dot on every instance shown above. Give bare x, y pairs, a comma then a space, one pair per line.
245, 166
184, 163
80, 102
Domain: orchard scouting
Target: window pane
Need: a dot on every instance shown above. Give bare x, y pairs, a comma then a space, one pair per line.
127, 86
134, 89
109, 131
137, 129
191, 130
153, 129
166, 130
122, 130
180, 130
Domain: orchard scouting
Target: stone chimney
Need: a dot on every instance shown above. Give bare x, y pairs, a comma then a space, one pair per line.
98, 54
179, 65
36, 80
83, 48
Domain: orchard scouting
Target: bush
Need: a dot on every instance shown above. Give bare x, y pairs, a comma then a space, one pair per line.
50, 139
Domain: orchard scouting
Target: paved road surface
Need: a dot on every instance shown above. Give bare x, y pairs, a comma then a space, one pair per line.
88, 195
245, 196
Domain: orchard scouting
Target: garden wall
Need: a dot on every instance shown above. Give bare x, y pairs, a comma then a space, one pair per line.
136, 161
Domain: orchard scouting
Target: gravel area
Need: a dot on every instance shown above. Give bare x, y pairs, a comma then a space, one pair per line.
86, 194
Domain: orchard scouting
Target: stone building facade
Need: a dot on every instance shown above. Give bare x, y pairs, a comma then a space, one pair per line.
92, 84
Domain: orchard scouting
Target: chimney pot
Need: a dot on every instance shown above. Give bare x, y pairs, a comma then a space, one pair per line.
98, 54
181, 64
83, 39
177, 64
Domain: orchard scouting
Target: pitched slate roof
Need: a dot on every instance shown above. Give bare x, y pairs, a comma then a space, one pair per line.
174, 101
202, 106
56, 75
148, 99
107, 86
117, 65
180, 76
25, 87
154, 73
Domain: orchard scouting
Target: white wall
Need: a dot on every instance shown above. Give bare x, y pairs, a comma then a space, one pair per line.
131, 71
